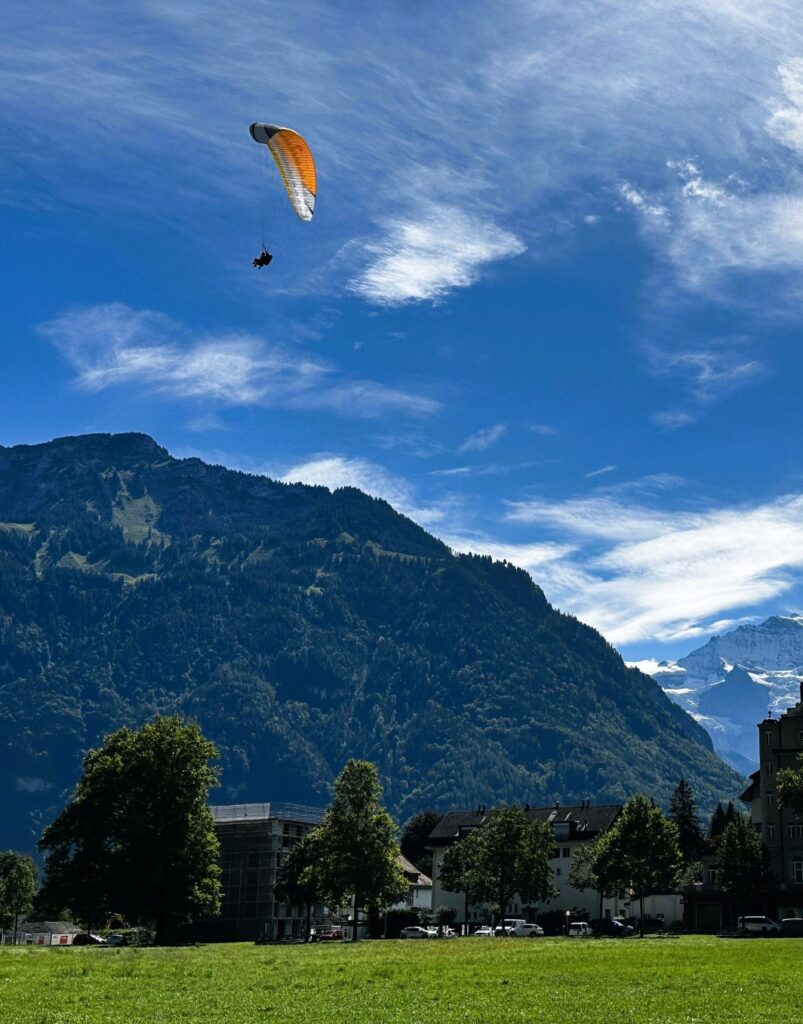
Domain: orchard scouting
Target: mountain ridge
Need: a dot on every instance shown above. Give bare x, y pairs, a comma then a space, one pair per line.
300, 626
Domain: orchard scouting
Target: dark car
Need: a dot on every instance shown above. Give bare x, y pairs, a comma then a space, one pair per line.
333, 935
609, 927
88, 939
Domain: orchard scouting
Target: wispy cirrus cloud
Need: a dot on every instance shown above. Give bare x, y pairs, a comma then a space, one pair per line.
610, 468
425, 257
110, 345
639, 572
483, 439
333, 471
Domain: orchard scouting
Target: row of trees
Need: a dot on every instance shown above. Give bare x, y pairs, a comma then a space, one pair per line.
138, 840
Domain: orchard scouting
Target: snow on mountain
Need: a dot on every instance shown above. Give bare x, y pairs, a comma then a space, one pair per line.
732, 682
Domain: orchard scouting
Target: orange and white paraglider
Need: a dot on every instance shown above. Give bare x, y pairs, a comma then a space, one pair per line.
294, 159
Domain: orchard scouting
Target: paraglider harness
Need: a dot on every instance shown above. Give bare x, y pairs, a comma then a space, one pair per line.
263, 259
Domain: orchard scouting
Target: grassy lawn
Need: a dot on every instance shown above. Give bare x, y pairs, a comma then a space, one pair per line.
693, 979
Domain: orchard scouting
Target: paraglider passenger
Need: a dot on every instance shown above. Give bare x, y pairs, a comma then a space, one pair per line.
262, 260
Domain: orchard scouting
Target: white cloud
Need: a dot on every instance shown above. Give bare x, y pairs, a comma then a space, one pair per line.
543, 429
672, 419
333, 471
441, 248
641, 573
483, 439
786, 122
113, 344
601, 471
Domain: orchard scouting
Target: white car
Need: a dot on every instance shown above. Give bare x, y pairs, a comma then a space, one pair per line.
485, 930
517, 927
759, 925
580, 930
415, 931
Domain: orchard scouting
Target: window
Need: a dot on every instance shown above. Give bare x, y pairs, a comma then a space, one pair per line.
769, 767
797, 872
800, 736
555, 853
770, 831
557, 872
566, 851
794, 831
770, 799
768, 738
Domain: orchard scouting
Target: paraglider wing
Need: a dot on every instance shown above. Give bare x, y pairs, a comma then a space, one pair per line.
295, 163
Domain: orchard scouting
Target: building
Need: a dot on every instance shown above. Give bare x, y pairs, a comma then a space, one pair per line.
780, 742
46, 933
254, 838
419, 892
573, 828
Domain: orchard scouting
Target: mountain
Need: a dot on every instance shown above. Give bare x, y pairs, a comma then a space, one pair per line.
732, 681
299, 626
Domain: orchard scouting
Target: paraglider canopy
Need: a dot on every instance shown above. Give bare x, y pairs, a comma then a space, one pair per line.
295, 163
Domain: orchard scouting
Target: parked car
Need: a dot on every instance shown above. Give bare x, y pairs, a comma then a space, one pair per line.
88, 939
116, 940
580, 930
517, 927
610, 928
757, 925
486, 930
332, 935
415, 931
448, 933
792, 926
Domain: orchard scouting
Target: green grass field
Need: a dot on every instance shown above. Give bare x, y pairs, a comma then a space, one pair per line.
659, 981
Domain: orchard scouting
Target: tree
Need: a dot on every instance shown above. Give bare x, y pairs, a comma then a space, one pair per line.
639, 852
683, 811
506, 855
137, 838
741, 859
789, 786
583, 873
414, 838
720, 819
19, 881
359, 850
299, 880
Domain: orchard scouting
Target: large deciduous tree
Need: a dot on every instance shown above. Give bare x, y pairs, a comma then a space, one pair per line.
584, 874
137, 838
741, 859
507, 855
789, 786
19, 882
639, 853
357, 844
683, 811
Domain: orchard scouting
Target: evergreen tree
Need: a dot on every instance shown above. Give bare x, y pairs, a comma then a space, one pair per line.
721, 818
639, 852
19, 881
507, 855
790, 787
683, 811
742, 859
137, 838
414, 838
358, 847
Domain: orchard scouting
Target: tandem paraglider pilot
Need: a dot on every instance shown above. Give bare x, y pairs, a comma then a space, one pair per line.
262, 260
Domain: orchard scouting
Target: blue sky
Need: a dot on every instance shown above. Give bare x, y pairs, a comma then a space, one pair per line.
549, 305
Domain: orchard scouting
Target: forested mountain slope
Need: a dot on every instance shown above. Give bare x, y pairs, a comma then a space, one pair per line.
300, 627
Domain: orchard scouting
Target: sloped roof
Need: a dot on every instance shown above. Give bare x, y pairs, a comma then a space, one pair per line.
588, 820
51, 927
415, 876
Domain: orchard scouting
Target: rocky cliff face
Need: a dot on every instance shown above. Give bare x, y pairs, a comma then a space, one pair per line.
732, 681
